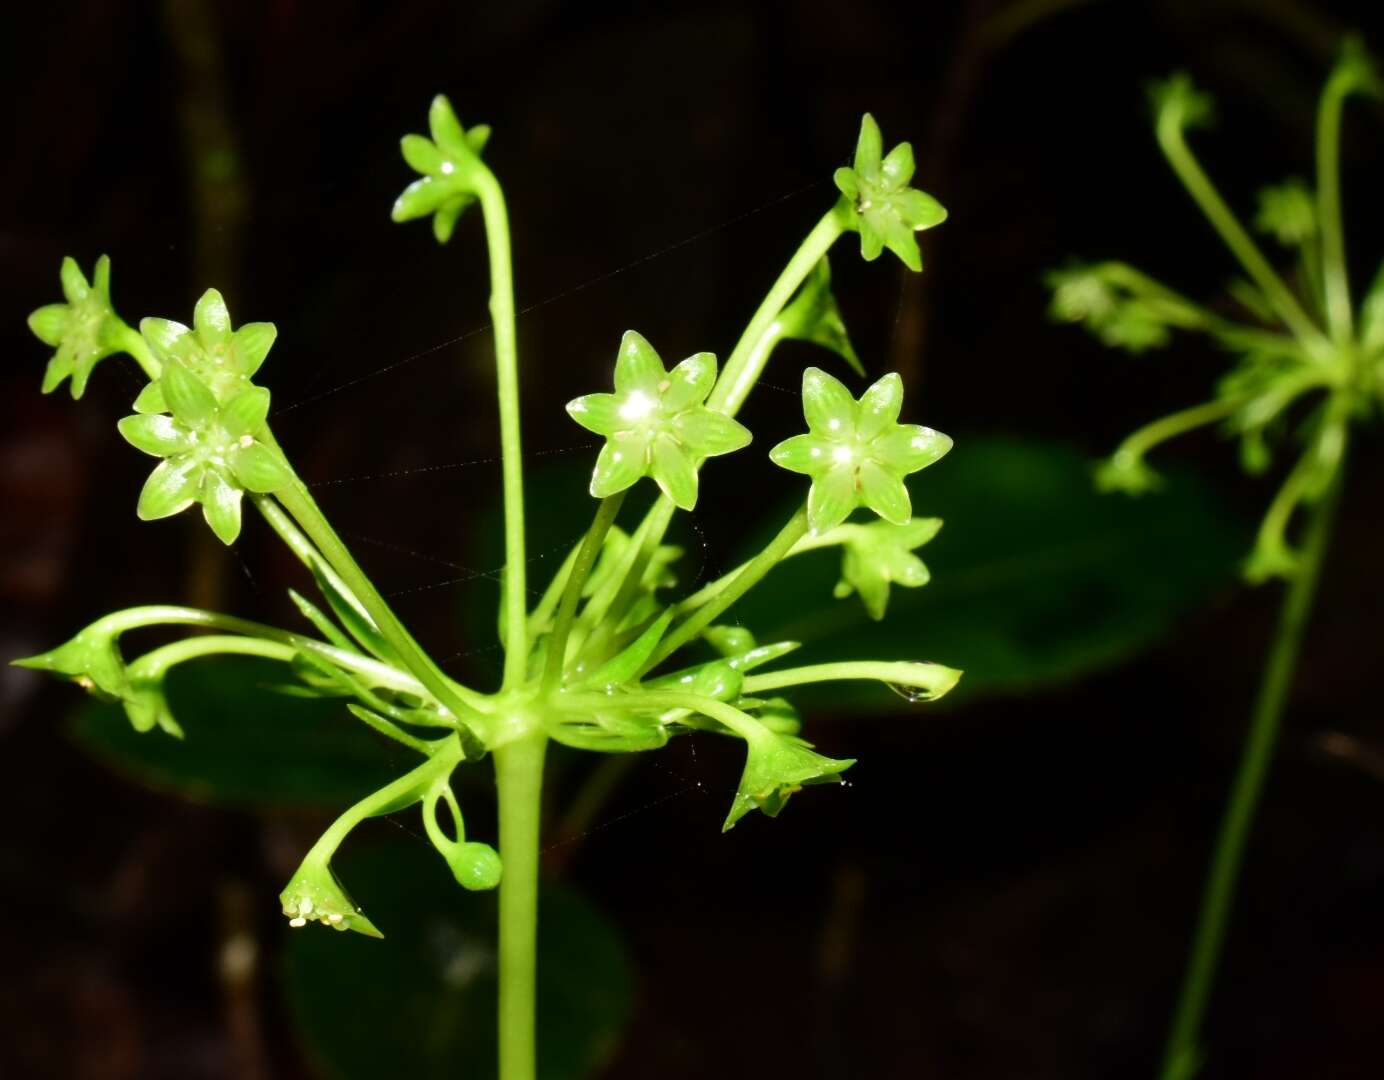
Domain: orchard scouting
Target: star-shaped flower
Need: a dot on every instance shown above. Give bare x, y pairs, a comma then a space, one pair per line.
779, 766
447, 162
856, 452
655, 423
85, 330
223, 359
879, 554
887, 211
211, 452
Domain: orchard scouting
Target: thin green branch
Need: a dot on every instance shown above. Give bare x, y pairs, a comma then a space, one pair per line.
750, 576
1335, 273
933, 680
1223, 220
746, 362
515, 598
576, 581
1182, 1055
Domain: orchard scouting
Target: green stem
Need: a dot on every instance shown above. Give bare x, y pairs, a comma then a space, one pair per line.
576, 581
515, 597
747, 359
750, 576
132, 341
155, 664
1147, 437
1335, 276
547, 603
519, 782
1199, 186
933, 680
299, 502
1181, 1057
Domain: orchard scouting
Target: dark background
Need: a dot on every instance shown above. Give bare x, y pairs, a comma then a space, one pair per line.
1009, 890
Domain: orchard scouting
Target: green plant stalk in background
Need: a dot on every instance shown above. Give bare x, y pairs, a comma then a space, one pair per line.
1296, 346
583, 667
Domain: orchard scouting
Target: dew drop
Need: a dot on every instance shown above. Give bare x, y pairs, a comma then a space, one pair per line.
911, 694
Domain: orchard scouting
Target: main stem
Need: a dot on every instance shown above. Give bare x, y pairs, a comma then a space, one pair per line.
1180, 1059
519, 780
512, 464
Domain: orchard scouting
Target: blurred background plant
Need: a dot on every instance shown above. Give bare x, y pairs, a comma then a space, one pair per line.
1008, 890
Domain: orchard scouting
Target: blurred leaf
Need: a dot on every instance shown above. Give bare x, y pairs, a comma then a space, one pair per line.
421, 1003
246, 744
1036, 577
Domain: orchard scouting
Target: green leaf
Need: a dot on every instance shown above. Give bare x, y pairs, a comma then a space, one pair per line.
1037, 579
421, 1003
246, 744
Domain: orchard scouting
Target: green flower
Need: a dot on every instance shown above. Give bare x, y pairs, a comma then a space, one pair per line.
856, 452
211, 452
779, 766
315, 894
1081, 294
655, 423
1288, 212
877, 555
85, 330
91, 659
1176, 101
225, 360
887, 212
1127, 472
449, 162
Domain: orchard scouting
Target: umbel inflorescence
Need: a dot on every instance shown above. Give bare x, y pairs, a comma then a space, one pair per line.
609, 658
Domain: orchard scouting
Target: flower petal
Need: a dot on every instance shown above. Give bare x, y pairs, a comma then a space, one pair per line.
150, 399
884, 493
897, 167
673, 471
188, 397
909, 447
245, 413
847, 182
871, 243
74, 282
619, 464
445, 127
690, 382
211, 319
898, 238
477, 137
445, 220
709, 433
637, 367
259, 469
868, 147
161, 436
918, 209
49, 322
879, 406
167, 338
221, 505
59, 367
251, 345
802, 454
420, 199
421, 155
101, 280
596, 412
831, 499
827, 404
170, 489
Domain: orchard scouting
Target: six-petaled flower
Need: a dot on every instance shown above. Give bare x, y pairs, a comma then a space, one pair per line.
856, 451
655, 423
